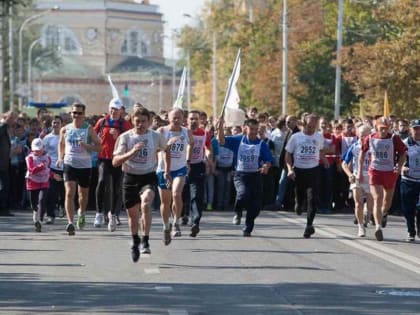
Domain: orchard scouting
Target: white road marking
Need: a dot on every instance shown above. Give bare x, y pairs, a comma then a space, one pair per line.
164, 289
370, 247
177, 312
151, 271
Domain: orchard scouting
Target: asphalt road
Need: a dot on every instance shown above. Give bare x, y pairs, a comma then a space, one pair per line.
276, 271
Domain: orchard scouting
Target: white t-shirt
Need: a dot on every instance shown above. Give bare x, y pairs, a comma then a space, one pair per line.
51, 142
305, 149
145, 160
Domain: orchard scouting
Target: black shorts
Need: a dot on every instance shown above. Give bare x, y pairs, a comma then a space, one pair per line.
134, 185
79, 175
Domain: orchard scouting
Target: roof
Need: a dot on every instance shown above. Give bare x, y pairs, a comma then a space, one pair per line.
137, 64
74, 67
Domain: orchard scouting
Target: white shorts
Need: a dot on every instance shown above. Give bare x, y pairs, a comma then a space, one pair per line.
365, 187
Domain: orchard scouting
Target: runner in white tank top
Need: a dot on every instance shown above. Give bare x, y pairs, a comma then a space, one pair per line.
77, 140
172, 181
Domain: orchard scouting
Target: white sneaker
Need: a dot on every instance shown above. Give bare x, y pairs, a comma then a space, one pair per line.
362, 231
99, 220
112, 225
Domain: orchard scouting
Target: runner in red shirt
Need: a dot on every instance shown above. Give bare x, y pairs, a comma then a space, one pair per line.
109, 177
383, 170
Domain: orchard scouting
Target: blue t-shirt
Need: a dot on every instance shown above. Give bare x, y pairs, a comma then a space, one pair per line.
233, 142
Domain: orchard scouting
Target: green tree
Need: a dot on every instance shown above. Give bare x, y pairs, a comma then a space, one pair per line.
392, 63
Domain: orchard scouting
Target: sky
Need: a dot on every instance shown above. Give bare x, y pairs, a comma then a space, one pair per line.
173, 14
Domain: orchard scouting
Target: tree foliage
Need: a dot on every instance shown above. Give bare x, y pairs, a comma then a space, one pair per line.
381, 52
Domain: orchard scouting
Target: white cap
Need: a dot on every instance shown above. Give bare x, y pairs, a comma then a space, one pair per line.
37, 144
115, 103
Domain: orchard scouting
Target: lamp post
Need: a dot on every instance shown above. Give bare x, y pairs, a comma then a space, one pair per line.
28, 20
30, 67
337, 100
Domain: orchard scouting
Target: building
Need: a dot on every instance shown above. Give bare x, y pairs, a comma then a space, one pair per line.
122, 38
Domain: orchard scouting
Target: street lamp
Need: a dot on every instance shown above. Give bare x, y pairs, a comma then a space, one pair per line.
30, 67
28, 20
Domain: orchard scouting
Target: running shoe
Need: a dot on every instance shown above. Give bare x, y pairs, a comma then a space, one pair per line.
145, 248
195, 229
384, 220
70, 229
309, 230
209, 207
379, 235
38, 226
246, 233
418, 233
50, 220
362, 231
112, 225
176, 231
410, 238
99, 220
236, 219
298, 210
81, 220
135, 253
118, 220
167, 235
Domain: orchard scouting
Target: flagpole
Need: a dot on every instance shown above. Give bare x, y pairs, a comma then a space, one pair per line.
238, 56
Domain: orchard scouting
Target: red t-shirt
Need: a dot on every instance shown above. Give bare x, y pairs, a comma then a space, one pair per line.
102, 128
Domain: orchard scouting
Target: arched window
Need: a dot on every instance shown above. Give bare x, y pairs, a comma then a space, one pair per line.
136, 43
62, 38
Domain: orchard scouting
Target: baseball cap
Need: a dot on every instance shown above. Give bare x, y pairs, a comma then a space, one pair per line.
37, 144
415, 123
116, 103
382, 122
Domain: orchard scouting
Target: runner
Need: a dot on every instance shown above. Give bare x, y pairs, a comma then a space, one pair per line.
37, 180
202, 151
77, 139
171, 185
351, 167
136, 151
304, 151
410, 182
383, 172
108, 190
55, 196
252, 158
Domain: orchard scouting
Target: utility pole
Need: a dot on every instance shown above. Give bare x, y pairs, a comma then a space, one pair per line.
2, 109
338, 66
284, 62
214, 70
188, 80
11, 58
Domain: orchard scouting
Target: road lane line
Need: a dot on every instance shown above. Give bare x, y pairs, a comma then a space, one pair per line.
372, 249
151, 271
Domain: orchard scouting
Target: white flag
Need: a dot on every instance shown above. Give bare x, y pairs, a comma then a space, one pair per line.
232, 95
113, 88
180, 97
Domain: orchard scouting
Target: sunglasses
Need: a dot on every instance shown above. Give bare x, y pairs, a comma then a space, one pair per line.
77, 113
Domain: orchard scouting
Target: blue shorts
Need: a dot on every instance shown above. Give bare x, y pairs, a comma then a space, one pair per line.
177, 173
